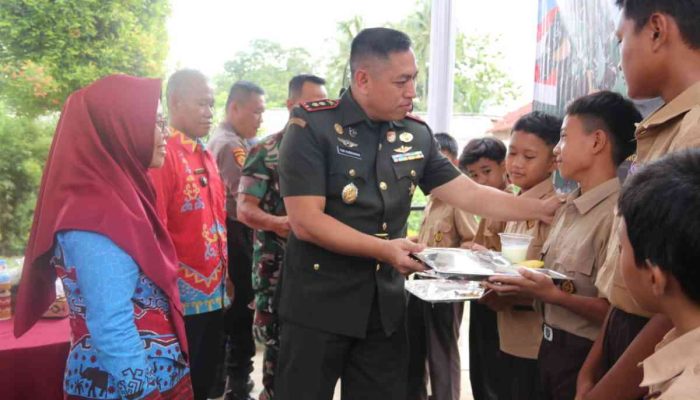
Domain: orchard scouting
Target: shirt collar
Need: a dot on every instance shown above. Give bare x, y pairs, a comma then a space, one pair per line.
191, 145
587, 201
680, 105
672, 356
351, 113
539, 191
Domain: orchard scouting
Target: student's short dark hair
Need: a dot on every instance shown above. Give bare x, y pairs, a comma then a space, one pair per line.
613, 114
447, 143
298, 81
241, 90
686, 13
660, 206
377, 42
487, 147
181, 80
545, 126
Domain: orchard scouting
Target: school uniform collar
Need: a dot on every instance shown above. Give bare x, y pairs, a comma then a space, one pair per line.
680, 105
191, 145
672, 356
587, 201
540, 191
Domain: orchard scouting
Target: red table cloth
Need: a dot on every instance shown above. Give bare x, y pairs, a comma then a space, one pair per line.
32, 366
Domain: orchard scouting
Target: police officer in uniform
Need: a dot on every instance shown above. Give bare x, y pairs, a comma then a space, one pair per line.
348, 170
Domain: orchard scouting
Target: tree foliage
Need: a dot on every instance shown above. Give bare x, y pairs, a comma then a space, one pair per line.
25, 145
479, 79
267, 64
50, 48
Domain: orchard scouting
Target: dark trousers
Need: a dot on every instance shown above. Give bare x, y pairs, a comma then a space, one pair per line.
560, 360
484, 368
204, 339
521, 379
238, 321
311, 361
620, 331
433, 334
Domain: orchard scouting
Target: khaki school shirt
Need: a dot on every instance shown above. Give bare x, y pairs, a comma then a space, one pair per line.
673, 371
446, 226
673, 127
488, 230
576, 247
520, 330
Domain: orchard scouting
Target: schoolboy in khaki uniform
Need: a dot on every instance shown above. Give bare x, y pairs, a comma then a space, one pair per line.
659, 265
433, 329
597, 136
483, 160
660, 50
529, 163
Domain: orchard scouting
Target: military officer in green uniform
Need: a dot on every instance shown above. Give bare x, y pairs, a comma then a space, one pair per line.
348, 170
260, 206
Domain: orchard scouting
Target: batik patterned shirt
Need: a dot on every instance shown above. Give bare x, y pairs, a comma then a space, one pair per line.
190, 201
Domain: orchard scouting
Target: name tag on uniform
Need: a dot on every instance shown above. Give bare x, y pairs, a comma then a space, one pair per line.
414, 155
349, 153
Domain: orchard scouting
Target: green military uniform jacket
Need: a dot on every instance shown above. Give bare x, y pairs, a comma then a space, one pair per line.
367, 171
260, 179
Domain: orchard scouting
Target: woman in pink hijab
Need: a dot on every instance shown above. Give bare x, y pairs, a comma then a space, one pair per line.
95, 226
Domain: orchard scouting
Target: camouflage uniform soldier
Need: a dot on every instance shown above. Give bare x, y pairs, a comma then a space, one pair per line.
261, 207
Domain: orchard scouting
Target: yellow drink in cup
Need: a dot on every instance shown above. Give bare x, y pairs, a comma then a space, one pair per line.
514, 246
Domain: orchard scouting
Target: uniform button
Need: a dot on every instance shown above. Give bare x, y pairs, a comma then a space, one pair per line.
413, 173
352, 172
379, 266
379, 147
316, 267
384, 226
383, 185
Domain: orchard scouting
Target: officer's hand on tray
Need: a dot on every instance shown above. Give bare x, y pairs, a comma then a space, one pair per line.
396, 253
549, 207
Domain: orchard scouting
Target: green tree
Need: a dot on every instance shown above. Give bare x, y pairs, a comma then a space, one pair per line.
50, 48
23, 153
480, 80
267, 64
338, 68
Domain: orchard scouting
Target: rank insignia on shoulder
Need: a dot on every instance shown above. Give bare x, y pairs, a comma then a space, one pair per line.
403, 149
415, 118
297, 121
347, 143
320, 105
414, 155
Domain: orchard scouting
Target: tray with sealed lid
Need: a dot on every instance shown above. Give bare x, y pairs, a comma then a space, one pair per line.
473, 265
445, 290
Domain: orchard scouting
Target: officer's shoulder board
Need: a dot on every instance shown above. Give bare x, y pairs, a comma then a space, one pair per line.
319, 105
416, 118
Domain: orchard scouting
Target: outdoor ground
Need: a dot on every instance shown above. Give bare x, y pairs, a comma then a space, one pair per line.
464, 351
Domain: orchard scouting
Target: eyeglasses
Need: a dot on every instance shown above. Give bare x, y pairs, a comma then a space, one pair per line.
162, 124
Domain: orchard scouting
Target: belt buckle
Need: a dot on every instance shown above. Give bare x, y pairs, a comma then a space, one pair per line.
547, 333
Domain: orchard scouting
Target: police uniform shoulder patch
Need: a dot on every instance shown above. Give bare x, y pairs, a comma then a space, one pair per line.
415, 118
319, 105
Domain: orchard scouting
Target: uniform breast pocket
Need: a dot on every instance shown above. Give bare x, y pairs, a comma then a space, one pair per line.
408, 175
578, 265
347, 180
